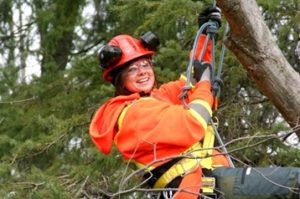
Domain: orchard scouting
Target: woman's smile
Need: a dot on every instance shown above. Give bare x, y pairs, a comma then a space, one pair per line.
140, 76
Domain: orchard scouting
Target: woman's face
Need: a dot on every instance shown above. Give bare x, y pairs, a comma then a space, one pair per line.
139, 76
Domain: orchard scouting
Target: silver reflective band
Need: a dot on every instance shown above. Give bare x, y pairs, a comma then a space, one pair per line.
201, 110
206, 74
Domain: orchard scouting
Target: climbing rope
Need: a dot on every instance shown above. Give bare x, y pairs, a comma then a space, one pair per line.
211, 29
216, 80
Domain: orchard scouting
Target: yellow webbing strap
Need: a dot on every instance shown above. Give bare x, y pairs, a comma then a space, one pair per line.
208, 144
181, 168
200, 156
122, 115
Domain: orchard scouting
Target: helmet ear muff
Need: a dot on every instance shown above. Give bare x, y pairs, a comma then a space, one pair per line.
150, 40
109, 55
122, 49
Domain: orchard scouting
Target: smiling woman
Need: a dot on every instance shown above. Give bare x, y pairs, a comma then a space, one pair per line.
149, 125
126, 63
139, 76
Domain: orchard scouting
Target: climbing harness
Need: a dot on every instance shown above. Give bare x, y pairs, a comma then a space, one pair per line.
199, 156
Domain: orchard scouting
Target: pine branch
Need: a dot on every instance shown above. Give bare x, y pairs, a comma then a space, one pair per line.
48, 145
18, 31
2, 120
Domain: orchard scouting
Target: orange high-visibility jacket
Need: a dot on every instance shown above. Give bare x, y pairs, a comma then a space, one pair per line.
153, 123
156, 126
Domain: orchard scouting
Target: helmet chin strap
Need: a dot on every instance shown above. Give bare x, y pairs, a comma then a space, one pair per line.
143, 94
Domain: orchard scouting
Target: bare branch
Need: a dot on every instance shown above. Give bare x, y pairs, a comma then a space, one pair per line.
139, 172
19, 101
82, 187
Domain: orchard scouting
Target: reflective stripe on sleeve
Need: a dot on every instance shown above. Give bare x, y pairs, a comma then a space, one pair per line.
201, 110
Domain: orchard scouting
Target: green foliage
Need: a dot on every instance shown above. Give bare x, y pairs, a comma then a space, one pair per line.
283, 19
45, 149
169, 19
46, 136
170, 61
56, 23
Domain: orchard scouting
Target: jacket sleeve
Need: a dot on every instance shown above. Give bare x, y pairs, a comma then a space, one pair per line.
102, 129
201, 102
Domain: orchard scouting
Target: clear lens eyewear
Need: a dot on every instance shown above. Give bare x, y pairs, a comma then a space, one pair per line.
134, 68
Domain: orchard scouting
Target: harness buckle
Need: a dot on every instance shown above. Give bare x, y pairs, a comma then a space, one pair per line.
208, 185
215, 121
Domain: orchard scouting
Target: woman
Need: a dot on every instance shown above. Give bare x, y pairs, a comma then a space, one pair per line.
149, 125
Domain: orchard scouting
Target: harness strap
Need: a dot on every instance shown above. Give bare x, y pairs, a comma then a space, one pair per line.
181, 168
208, 144
157, 172
198, 156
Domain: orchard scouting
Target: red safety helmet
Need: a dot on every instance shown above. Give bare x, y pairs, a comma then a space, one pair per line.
123, 49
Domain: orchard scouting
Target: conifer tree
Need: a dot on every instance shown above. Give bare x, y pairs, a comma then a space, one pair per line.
45, 149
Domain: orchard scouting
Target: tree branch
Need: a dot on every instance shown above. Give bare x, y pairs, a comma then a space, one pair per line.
19, 101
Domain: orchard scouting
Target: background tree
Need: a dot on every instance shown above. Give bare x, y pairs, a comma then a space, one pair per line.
256, 49
8, 77
45, 148
56, 21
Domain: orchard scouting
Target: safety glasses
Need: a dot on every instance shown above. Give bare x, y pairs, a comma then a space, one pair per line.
139, 65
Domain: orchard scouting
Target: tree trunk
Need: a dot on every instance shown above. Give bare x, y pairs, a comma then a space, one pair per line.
56, 32
22, 47
253, 44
